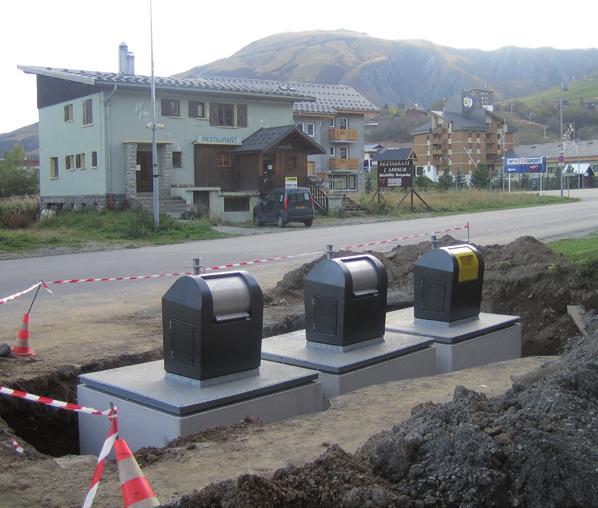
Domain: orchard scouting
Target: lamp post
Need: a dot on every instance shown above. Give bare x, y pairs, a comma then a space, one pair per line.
562, 152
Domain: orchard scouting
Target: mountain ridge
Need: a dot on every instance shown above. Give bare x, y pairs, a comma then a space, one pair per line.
401, 71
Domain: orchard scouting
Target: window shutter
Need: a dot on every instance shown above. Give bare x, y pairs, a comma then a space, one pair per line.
213, 114
241, 115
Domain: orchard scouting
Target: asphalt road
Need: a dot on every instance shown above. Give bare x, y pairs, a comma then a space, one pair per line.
545, 223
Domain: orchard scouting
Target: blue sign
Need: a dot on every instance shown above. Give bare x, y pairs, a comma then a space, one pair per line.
526, 165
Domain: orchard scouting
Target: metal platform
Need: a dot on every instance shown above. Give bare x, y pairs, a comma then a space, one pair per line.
402, 321
154, 408
463, 344
292, 349
397, 357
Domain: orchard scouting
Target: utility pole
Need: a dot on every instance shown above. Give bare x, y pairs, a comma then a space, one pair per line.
562, 152
154, 127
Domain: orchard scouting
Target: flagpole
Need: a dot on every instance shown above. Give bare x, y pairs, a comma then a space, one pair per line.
156, 200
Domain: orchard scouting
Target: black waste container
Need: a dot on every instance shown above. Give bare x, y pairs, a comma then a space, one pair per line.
448, 283
212, 325
345, 300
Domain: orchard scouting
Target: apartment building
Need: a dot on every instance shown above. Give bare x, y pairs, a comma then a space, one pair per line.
335, 120
461, 136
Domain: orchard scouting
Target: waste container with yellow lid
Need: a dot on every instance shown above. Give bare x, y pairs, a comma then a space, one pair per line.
448, 284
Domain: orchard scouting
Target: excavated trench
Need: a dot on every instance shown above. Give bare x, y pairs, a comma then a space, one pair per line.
50, 430
513, 285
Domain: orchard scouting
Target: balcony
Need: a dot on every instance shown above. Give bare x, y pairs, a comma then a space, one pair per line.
336, 135
336, 164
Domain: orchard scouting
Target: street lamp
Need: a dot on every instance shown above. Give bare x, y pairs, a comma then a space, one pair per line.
562, 154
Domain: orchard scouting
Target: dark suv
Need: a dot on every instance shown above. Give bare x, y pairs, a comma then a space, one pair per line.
285, 205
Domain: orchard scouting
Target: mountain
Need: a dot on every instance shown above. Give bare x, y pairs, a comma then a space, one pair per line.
26, 136
401, 71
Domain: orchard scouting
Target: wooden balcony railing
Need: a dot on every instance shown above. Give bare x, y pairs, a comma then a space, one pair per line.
343, 164
335, 134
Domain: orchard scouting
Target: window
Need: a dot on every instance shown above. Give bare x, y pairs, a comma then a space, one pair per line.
94, 159
170, 107
343, 123
236, 204
176, 159
332, 151
300, 126
69, 162
344, 152
197, 109
53, 167
311, 129
228, 115
68, 113
224, 160
87, 112
331, 122
80, 161
291, 163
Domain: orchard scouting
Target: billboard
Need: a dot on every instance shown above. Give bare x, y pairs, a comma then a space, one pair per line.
526, 165
395, 173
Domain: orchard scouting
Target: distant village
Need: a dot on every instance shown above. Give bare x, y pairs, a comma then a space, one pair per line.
225, 142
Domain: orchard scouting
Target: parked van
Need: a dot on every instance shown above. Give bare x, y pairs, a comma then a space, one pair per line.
285, 205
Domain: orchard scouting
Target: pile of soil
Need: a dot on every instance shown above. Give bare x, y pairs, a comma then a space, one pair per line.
536, 446
523, 278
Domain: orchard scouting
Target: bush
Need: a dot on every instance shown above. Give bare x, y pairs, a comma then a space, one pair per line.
15, 179
18, 212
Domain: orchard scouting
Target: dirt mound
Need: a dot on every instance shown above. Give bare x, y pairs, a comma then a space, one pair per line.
523, 278
535, 446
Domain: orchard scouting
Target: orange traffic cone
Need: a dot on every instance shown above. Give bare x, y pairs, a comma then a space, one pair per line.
22, 346
137, 492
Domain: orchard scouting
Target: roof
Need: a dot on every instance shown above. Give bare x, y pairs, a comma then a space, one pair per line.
232, 86
395, 154
266, 138
587, 148
331, 99
373, 147
307, 97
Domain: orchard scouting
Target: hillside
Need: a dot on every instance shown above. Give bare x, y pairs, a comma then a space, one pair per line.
26, 136
585, 89
534, 112
404, 71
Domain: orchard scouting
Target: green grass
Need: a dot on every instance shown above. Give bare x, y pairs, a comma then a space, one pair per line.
583, 88
76, 230
580, 251
453, 202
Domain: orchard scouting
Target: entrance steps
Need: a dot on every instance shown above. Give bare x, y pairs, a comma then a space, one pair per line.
174, 207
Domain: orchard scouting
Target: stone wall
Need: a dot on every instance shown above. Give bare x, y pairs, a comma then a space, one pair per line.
99, 201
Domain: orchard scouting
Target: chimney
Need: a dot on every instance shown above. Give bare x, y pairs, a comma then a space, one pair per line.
123, 58
131, 62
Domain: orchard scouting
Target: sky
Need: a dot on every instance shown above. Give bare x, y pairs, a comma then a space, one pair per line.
81, 34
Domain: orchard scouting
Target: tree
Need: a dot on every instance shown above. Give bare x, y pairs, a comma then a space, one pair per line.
481, 176
15, 178
445, 181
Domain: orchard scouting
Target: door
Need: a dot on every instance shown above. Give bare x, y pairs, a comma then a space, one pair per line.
144, 173
268, 174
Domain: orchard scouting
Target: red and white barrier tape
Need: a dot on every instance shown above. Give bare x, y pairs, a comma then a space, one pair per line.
28, 290
112, 279
409, 237
68, 406
17, 447
104, 452
227, 265
258, 261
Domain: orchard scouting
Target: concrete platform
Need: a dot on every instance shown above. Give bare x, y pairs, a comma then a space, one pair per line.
463, 344
397, 357
154, 408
